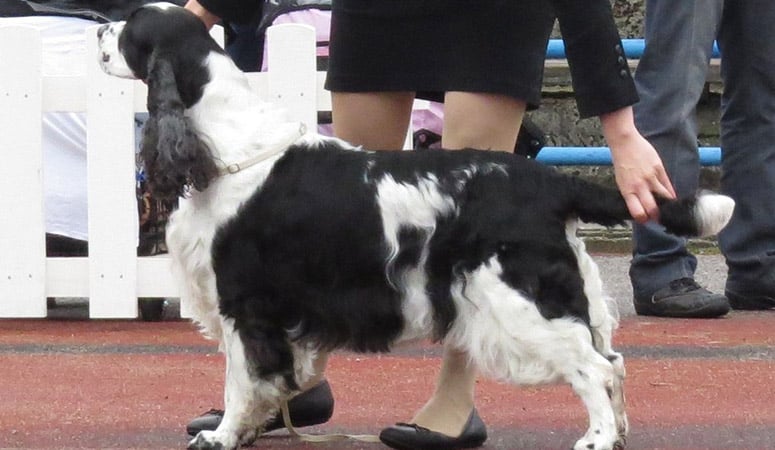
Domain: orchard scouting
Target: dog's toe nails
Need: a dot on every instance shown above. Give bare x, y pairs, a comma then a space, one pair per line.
200, 442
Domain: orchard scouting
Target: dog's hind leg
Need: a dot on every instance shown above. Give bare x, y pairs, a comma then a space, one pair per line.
509, 339
592, 377
251, 396
601, 338
602, 325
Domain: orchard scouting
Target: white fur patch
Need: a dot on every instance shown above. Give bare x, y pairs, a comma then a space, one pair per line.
315, 141
416, 206
163, 5
505, 334
410, 205
110, 57
713, 212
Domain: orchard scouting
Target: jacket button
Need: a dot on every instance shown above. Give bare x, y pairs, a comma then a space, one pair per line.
618, 49
623, 73
621, 60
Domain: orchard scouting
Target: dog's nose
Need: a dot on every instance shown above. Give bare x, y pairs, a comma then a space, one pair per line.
101, 30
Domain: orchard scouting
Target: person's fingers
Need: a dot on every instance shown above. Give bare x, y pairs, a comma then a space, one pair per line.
649, 204
663, 186
641, 189
660, 190
636, 208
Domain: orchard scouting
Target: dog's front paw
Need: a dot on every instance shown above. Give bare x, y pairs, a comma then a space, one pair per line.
208, 440
599, 443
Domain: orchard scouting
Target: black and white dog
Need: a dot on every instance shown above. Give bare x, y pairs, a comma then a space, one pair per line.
290, 247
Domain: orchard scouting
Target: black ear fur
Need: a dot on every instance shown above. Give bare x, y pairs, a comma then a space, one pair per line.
174, 156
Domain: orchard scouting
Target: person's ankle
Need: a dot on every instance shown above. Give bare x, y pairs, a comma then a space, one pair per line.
444, 417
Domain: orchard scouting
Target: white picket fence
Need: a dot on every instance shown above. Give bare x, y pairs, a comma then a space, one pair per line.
113, 277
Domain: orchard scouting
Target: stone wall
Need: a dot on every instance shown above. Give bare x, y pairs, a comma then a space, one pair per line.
629, 17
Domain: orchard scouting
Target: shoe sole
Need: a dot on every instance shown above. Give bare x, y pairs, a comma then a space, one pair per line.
396, 445
275, 423
751, 303
705, 312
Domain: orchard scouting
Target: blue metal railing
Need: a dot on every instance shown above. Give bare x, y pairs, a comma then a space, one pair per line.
600, 156
633, 48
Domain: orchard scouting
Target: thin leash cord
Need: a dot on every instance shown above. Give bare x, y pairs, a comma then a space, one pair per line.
322, 437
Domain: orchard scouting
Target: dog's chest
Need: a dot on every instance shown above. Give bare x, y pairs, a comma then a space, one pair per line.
193, 225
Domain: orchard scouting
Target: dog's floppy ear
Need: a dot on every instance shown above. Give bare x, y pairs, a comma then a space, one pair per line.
174, 156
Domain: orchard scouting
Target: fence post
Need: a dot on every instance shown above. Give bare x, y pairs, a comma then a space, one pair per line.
292, 71
113, 221
22, 227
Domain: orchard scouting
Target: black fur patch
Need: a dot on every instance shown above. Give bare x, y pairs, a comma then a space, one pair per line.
174, 156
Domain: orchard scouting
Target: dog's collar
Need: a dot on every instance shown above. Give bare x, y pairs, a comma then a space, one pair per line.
279, 147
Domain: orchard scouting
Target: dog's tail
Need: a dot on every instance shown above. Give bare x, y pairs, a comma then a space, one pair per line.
702, 214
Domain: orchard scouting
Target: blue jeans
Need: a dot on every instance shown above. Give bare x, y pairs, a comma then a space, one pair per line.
670, 79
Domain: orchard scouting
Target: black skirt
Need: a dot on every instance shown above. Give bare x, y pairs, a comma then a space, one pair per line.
435, 46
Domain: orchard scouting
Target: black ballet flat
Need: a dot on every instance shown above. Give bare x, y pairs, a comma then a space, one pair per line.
410, 436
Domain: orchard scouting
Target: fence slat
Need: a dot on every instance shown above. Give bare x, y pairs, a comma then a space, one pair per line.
22, 228
113, 221
292, 77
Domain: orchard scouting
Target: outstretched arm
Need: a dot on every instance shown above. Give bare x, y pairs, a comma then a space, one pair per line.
640, 174
604, 87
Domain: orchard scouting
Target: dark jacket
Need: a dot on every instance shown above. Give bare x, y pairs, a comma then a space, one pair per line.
601, 77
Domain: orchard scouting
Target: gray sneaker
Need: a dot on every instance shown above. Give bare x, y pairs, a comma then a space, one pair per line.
683, 298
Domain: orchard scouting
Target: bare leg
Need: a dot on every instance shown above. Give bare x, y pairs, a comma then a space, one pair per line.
375, 120
450, 406
482, 121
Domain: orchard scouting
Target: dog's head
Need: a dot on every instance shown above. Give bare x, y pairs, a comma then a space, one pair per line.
167, 47
154, 31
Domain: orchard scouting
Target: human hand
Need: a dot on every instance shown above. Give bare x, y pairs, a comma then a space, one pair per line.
640, 174
207, 17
